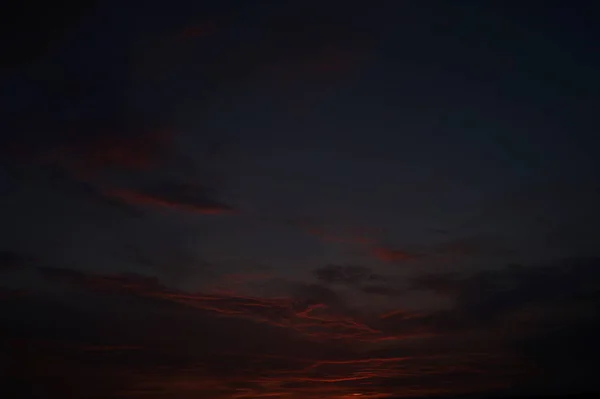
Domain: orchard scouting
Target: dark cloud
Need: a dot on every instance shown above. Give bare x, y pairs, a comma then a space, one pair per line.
319, 48
361, 278
185, 197
217, 345
346, 274
135, 148
10, 260
171, 260
492, 293
75, 187
566, 355
95, 194
89, 128
471, 246
35, 34
314, 340
369, 245
548, 314
312, 311
307, 295
446, 284
382, 290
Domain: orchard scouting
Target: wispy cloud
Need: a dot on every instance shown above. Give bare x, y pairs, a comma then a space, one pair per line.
311, 342
346, 274
183, 197
300, 346
368, 245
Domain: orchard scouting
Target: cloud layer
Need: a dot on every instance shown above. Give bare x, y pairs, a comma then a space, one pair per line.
310, 344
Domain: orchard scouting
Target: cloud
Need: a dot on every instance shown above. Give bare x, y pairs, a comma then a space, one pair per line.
10, 260
76, 123
547, 314
448, 249
369, 245
84, 159
312, 311
79, 169
346, 274
127, 150
361, 278
471, 246
382, 290
494, 292
194, 199
293, 50
446, 284
171, 259
215, 346
312, 341
327, 236
96, 194
391, 256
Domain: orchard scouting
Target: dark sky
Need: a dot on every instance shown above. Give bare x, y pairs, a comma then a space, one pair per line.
254, 199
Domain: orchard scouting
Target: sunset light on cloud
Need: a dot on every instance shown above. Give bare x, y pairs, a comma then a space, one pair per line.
316, 200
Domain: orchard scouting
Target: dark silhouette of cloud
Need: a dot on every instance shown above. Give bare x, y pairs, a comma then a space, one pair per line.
132, 149
382, 290
392, 255
492, 293
548, 314
195, 199
361, 278
346, 274
313, 340
10, 260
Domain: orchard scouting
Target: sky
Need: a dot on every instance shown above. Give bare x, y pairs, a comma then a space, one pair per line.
300, 200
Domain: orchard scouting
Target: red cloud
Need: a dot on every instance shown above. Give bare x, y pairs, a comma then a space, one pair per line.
144, 199
372, 247
317, 321
336, 357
